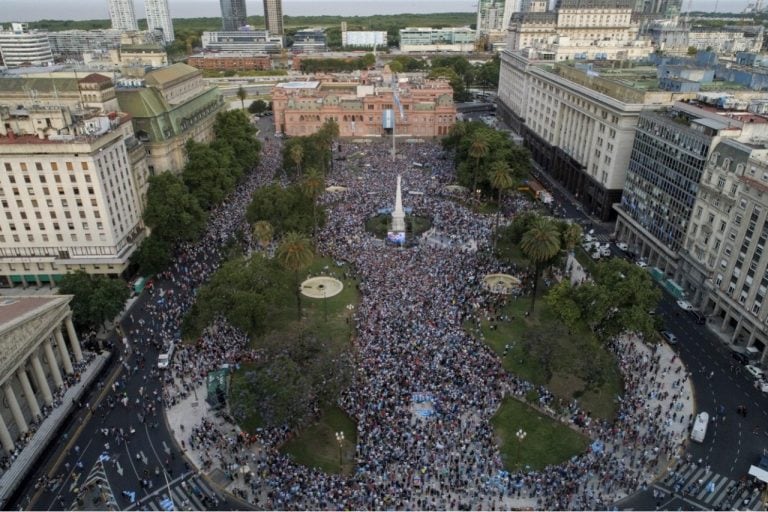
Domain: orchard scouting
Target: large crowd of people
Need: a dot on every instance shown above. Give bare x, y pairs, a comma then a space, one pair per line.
411, 346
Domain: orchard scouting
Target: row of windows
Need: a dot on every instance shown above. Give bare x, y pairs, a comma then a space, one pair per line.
42, 179
53, 166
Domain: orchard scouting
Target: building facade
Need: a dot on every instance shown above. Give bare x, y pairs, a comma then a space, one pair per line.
72, 44
309, 40
159, 18
273, 17
426, 39
242, 41
169, 107
20, 46
122, 15
40, 351
364, 38
492, 20
73, 184
233, 15
301, 108
664, 181
224, 61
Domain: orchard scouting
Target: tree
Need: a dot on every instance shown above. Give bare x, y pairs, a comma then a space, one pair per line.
295, 254
286, 209
501, 179
208, 174
233, 129
152, 256
570, 235
478, 149
172, 212
242, 94
312, 186
258, 107
263, 232
96, 298
540, 244
296, 153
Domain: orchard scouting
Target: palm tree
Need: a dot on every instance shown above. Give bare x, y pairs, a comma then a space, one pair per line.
312, 186
478, 149
540, 243
263, 232
570, 236
294, 254
500, 176
296, 154
242, 94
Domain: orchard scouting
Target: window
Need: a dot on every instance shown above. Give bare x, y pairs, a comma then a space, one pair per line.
84, 165
38, 166
70, 167
54, 166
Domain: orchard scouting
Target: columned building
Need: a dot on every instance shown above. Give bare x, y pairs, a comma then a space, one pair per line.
39, 351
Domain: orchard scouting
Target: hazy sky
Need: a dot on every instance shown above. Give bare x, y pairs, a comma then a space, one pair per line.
30, 10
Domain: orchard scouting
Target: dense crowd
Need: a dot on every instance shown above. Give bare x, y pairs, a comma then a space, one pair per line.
410, 343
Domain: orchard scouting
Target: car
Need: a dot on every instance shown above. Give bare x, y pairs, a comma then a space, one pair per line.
754, 372
741, 358
698, 316
596, 255
622, 246
684, 305
163, 361
588, 238
669, 336
605, 251
641, 264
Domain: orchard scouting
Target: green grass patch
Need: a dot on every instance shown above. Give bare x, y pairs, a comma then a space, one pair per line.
546, 442
543, 351
316, 446
415, 224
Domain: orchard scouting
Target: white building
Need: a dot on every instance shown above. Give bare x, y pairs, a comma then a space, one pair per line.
493, 19
159, 18
72, 184
245, 40
122, 15
364, 38
427, 39
21, 47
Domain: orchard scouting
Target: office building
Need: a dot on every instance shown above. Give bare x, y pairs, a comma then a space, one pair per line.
122, 15
223, 61
20, 46
492, 20
170, 106
426, 39
245, 40
309, 40
72, 44
73, 182
233, 15
363, 38
159, 19
273, 17
664, 180
301, 108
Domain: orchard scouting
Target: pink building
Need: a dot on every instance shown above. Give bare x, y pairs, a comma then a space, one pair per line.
301, 108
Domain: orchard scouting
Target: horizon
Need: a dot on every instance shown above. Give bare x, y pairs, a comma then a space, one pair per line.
85, 10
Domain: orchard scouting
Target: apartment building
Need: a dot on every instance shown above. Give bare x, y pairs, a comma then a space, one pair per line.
72, 185
122, 15
273, 17
20, 46
245, 40
301, 108
426, 39
492, 21
159, 19
225, 61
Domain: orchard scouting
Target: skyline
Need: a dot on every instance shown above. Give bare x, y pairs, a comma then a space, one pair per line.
23, 10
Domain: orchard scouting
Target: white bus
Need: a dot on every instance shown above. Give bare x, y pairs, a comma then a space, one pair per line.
699, 429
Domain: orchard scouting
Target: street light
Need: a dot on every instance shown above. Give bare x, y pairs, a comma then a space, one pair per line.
520, 434
340, 440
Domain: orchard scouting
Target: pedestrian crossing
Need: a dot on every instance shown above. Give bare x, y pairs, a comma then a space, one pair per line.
700, 487
190, 494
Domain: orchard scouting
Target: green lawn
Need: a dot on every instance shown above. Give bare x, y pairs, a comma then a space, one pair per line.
546, 442
379, 225
317, 446
544, 352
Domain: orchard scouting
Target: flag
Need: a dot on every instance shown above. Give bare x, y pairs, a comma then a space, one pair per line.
399, 105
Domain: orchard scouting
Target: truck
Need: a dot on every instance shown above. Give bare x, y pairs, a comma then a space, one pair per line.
699, 430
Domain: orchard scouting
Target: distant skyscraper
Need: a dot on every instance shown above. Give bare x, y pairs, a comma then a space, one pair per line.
233, 14
122, 15
159, 17
273, 15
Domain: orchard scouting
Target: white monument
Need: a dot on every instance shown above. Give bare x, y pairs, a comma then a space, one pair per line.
398, 215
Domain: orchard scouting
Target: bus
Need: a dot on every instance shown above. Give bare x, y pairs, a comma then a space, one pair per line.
699, 430
537, 191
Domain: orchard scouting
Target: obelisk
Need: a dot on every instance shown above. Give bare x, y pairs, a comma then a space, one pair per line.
398, 215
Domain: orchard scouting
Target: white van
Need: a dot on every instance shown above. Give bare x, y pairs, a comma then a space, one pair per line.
699, 430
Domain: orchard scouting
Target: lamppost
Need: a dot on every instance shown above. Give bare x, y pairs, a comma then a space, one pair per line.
520, 434
340, 440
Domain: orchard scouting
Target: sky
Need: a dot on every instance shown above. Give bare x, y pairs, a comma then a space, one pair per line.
31, 10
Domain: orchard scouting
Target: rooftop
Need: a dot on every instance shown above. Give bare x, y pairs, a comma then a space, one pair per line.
313, 84
168, 74
14, 309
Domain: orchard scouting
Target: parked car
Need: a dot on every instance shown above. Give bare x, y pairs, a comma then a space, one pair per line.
596, 255
605, 251
684, 304
754, 372
622, 246
669, 336
741, 358
641, 264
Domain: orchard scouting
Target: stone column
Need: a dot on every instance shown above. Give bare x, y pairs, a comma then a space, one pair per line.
18, 417
42, 382
52, 363
63, 351
21, 373
73, 340
5, 437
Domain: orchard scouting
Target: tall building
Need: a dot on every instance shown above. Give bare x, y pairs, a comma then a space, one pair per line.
20, 46
159, 18
122, 15
273, 16
492, 20
233, 15
73, 180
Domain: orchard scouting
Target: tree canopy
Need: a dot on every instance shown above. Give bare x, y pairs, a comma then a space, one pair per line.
285, 209
172, 212
96, 299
